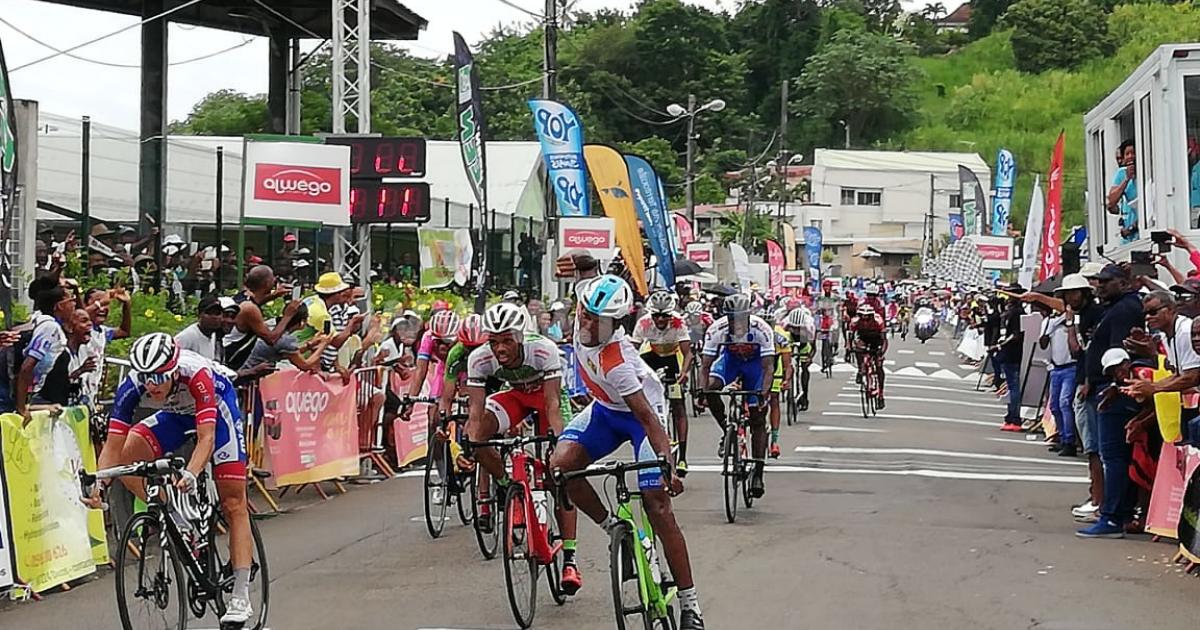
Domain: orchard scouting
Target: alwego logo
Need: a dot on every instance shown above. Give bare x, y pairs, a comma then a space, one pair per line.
590, 239
306, 404
298, 184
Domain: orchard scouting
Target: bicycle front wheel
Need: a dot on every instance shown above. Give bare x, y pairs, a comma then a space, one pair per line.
465, 495
731, 470
437, 499
520, 567
625, 571
487, 527
151, 588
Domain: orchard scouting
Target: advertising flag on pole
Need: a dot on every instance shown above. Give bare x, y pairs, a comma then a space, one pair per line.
789, 246
686, 235
1033, 236
561, 135
611, 177
775, 268
1050, 259
957, 227
471, 126
812, 251
8, 185
974, 204
653, 215
1006, 177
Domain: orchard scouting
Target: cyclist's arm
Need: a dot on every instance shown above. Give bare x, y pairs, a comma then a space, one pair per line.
685, 347
552, 389
204, 393
24, 380
768, 368
414, 386
646, 417
476, 395
127, 399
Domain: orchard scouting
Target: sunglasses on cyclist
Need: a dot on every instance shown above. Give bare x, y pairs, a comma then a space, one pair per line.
158, 378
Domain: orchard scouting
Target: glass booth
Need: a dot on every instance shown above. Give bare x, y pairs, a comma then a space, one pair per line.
1143, 156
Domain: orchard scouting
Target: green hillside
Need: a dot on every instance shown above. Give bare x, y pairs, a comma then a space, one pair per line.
987, 104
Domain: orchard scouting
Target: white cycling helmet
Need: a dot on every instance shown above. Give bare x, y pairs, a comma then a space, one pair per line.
503, 317
606, 296
737, 304
865, 309
661, 303
154, 353
694, 308
871, 289
444, 325
796, 319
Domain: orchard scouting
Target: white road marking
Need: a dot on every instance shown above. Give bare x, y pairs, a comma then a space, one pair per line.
897, 416
933, 400
908, 370
936, 353
889, 362
935, 474
860, 450
1016, 441
937, 388
843, 367
927, 364
947, 375
824, 427
905, 352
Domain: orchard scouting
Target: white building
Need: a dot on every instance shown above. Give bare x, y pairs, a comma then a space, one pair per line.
864, 194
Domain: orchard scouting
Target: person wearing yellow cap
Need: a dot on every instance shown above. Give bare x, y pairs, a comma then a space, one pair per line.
344, 317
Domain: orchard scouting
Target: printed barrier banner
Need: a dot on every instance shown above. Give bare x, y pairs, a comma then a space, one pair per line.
55, 537
411, 437
1175, 466
311, 427
1189, 514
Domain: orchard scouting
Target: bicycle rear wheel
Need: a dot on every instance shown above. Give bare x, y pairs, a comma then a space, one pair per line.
864, 394
624, 569
487, 540
437, 497
520, 567
555, 568
793, 405
731, 470
465, 495
151, 587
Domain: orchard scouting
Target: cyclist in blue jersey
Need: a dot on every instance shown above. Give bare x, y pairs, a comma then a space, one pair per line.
741, 347
190, 394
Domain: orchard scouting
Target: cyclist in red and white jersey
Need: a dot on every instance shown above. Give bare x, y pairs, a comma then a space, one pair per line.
671, 352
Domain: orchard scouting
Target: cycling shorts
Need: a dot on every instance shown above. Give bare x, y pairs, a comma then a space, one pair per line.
600, 431
729, 368
672, 367
166, 432
512, 406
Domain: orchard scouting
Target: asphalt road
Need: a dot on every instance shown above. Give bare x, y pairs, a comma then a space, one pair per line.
926, 514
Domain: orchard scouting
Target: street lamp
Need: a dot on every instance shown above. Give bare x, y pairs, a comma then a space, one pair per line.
690, 112
845, 128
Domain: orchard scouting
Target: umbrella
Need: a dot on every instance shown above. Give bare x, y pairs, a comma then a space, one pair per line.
1049, 285
686, 267
722, 290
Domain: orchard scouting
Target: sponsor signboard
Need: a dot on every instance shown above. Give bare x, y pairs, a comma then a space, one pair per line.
996, 251
701, 254
296, 181
793, 278
594, 235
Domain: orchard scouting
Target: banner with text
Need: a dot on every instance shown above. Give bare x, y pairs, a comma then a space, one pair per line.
686, 236
1006, 178
1175, 465
311, 427
8, 183
792, 278
1049, 259
812, 251
974, 205
55, 538
445, 256
1033, 236
653, 213
611, 176
701, 254
296, 181
594, 235
561, 135
774, 268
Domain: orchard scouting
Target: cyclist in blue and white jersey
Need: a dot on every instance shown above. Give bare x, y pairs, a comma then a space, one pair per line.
190, 393
740, 347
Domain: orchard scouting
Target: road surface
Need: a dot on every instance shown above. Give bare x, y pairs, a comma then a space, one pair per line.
925, 515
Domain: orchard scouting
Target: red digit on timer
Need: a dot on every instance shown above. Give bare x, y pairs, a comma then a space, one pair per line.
384, 154
355, 159
355, 202
383, 199
404, 209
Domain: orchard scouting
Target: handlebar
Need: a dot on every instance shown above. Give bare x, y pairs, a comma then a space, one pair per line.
611, 468
512, 442
157, 468
733, 392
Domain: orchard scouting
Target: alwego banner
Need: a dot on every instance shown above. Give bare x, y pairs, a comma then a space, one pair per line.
653, 213
296, 181
8, 182
1006, 178
775, 263
594, 235
561, 135
55, 538
1050, 259
974, 204
311, 427
611, 176
283, 182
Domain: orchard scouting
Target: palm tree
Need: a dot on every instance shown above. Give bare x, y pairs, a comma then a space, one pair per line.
934, 11
731, 226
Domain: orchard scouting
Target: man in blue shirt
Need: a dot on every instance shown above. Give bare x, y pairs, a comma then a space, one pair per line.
1123, 195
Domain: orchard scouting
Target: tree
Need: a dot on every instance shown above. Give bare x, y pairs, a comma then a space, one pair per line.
731, 226
225, 113
933, 12
778, 36
1057, 33
832, 88
984, 16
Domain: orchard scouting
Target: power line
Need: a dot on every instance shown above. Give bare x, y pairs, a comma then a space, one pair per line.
104, 37
522, 9
112, 64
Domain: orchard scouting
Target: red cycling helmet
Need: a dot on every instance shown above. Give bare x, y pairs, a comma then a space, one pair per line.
472, 334
444, 325
439, 305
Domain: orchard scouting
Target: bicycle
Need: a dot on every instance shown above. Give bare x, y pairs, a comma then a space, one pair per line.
443, 479
868, 386
695, 388
639, 585
736, 464
177, 535
527, 502
827, 353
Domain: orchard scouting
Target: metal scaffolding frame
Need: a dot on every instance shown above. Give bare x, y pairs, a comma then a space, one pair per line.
351, 79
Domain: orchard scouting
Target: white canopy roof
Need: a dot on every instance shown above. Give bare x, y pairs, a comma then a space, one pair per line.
906, 161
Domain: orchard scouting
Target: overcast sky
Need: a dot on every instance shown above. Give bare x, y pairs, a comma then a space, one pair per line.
73, 87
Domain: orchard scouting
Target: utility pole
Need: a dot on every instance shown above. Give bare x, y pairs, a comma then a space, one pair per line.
927, 246
85, 188
783, 156
549, 92
691, 160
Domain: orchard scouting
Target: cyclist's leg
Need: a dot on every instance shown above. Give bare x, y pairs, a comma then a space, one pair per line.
805, 364
159, 433
583, 441
751, 375
501, 411
229, 473
567, 519
718, 378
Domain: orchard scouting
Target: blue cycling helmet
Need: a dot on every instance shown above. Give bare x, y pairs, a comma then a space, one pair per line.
606, 296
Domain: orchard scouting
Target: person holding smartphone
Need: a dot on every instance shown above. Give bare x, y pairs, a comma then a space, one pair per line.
1123, 194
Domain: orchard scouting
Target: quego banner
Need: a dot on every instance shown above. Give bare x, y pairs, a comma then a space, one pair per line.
53, 534
561, 135
653, 214
311, 427
611, 176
